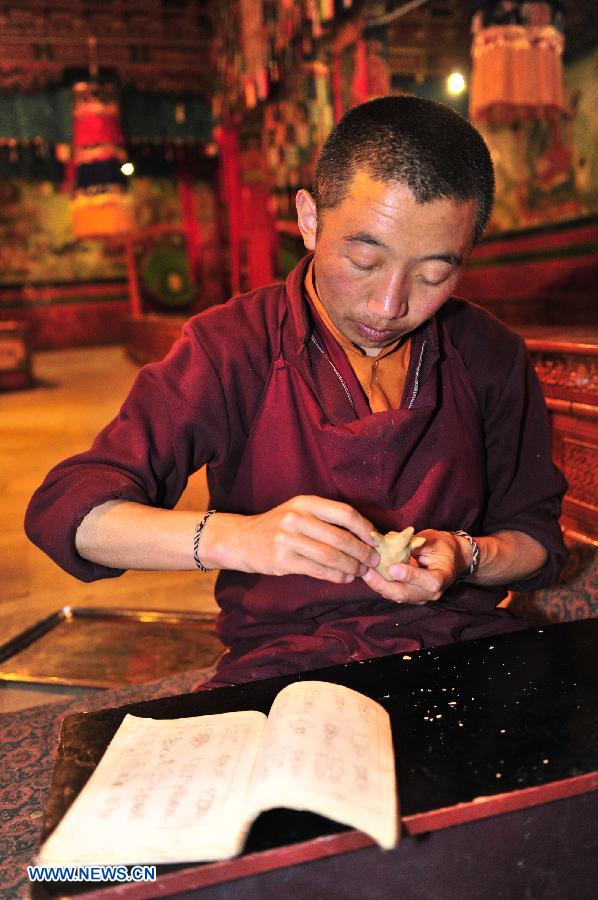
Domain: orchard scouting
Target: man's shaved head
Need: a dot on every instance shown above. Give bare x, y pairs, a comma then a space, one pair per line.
404, 139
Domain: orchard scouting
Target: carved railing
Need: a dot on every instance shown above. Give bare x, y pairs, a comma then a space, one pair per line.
566, 362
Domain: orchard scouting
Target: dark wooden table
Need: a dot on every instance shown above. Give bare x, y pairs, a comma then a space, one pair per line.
496, 745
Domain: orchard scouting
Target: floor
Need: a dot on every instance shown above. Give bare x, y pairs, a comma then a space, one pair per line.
76, 392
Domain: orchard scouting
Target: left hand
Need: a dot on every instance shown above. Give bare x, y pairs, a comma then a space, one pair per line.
431, 570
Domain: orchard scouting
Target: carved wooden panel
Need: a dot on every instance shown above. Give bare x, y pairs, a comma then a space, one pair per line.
568, 374
580, 463
566, 362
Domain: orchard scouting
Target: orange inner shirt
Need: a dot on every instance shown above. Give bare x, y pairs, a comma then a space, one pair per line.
383, 376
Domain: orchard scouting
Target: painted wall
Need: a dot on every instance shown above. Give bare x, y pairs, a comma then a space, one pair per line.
75, 292
581, 83
547, 171
37, 246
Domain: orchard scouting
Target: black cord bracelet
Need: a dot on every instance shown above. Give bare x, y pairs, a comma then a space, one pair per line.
198, 530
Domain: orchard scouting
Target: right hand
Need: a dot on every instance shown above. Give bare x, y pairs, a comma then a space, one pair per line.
307, 535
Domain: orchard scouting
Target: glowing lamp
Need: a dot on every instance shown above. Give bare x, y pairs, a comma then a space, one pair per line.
455, 84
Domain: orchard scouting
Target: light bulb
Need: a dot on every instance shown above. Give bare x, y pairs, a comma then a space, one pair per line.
455, 83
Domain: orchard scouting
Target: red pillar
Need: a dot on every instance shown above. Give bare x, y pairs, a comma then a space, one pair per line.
230, 181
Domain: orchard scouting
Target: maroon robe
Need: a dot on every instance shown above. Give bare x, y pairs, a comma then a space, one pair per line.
249, 392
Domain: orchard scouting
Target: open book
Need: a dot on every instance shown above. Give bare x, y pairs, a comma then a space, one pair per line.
187, 790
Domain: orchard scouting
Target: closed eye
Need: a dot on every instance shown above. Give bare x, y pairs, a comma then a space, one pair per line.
361, 266
435, 283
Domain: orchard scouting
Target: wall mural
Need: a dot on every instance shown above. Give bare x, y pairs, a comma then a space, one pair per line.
547, 171
581, 83
156, 202
37, 245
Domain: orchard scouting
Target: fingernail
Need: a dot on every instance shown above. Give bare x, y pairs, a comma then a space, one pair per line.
397, 571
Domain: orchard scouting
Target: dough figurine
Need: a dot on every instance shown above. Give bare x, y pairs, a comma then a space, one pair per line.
395, 547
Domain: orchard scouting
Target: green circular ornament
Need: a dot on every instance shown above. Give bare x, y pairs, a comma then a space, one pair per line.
165, 276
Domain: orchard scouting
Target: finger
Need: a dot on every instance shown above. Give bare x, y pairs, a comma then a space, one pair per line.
394, 590
331, 536
430, 580
323, 554
303, 565
341, 540
408, 585
420, 552
337, 513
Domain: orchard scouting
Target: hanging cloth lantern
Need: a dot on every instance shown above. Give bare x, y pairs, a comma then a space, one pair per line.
516, 54
101, 205
255, 51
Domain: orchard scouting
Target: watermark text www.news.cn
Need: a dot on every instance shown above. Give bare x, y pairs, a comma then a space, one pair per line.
92, 873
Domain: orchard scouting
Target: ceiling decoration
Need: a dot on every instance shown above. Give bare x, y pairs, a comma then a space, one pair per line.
152, 45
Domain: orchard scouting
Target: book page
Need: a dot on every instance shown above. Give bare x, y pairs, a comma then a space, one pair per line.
328, 749
169, 790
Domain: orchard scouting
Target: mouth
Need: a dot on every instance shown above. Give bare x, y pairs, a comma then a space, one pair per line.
375, 335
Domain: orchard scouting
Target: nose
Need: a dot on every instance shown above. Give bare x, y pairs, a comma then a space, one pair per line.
390, 298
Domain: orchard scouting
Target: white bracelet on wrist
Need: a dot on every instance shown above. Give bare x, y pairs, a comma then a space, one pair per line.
475, 554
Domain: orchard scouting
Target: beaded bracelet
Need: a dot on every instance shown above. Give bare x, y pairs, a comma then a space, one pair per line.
198, 530
475, 553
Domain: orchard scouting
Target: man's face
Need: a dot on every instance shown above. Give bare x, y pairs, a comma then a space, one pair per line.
383, 262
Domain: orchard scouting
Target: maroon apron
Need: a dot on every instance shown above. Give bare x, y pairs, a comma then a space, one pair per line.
420, 465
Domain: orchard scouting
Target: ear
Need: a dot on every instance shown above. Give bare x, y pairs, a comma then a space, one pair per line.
307, 217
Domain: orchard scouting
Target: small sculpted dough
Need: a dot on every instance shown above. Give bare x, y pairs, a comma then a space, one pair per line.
395, 547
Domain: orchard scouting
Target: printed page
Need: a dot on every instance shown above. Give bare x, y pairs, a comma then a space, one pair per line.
328, 749
170, 790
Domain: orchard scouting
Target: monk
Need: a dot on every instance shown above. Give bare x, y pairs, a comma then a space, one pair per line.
360, 396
